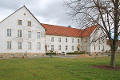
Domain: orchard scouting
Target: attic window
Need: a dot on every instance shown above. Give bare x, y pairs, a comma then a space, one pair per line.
24, 14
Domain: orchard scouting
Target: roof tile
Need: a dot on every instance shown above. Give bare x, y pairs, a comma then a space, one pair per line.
67, 31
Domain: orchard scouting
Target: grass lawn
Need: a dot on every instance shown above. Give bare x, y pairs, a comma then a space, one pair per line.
57, 69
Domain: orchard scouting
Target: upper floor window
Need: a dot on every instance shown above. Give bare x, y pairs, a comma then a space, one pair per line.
72, 40
8, 32
29, 34
19, 22
66, 39
38, 34
59, 39
19, 45
29, 23
19, 33
8, 44
52, 39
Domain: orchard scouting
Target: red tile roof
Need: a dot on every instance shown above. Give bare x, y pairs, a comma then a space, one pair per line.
67, 31
87, 31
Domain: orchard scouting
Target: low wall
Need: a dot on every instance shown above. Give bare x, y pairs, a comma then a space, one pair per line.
21, 55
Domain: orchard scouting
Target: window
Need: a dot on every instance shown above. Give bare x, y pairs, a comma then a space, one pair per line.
8, 32
19, 22
29, 23
29, 45
59, 47
78, 40
66, 40
72, 47
38, 34
59, 39
12, 55
72, 40
52, 47
29, 34
38, 45
66, 47
8, 44
52, 39
36, 55
94, 47
19, 33
99, 47
19, 45
103, 48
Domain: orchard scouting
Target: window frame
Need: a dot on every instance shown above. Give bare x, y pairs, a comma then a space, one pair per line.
66, 40
52, 47
30, 46
66, 47
10, 45
20, 33
72, 47
59, 39
39, 35
39, 46
10, 33
19, 46
30, 23
59, 47
30, 34
20, 21
52, 39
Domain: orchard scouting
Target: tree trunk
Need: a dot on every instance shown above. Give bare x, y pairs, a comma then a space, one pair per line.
113, 59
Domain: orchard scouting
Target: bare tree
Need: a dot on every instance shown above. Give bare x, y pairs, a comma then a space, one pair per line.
104, 13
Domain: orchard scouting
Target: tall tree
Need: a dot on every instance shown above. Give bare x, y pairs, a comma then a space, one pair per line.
104, 13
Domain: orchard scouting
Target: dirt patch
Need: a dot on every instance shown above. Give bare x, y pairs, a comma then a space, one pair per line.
107, 67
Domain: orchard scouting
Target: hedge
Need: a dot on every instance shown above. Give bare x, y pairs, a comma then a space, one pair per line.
69, 53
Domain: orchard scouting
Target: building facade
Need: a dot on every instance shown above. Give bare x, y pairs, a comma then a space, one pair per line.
23, 35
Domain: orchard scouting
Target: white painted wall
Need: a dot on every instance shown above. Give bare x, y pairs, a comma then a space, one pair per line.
63, 43
12, 23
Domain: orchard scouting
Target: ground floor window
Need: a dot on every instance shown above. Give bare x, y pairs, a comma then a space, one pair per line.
66, 47
52, 47
8, 44
38, 45
29, 45
59, 47
19, 45
72, 47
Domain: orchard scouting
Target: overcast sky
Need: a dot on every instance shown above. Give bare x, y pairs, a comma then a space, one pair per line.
46, 11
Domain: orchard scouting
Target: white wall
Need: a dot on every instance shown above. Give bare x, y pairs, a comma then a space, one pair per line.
12, 23
62, 43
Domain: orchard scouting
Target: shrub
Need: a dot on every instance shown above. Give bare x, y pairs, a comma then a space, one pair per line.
50, 53
69, 53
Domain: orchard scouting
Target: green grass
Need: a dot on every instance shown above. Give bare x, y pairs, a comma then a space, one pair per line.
57, 69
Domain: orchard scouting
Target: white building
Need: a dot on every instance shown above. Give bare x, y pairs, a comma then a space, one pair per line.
23, 35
